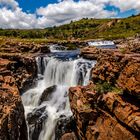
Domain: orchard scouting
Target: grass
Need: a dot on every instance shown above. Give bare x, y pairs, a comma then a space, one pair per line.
122, 50
106, 87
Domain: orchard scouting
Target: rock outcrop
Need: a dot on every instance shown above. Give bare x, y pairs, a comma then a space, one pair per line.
12, 121
111, 110
90, 53
17, 72
118, 69
104, 116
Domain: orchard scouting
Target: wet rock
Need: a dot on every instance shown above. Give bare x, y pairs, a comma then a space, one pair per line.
44, 49
36, 120
64, 125
47, 94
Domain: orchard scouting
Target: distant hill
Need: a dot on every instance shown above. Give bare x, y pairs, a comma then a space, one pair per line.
83, 29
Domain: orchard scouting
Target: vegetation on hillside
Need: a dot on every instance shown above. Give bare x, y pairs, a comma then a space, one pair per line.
83, 29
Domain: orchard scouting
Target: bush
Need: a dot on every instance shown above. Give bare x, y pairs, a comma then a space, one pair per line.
107, 87
103, 88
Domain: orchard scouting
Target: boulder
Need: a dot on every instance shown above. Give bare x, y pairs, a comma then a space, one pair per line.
63, 126
36, 120
90, 53
47, 94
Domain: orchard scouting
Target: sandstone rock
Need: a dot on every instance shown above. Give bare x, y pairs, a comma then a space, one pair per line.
125, 111
14, 73
129, 78
120, 69
90, 53
12, 121
103, 116
17, 72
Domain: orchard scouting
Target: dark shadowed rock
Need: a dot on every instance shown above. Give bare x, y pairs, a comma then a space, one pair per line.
36, 120
47, 93
64, 125
69, 136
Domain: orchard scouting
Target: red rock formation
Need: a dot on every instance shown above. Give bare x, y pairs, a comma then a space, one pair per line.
12, 121
104, 116
119, 69
109, 115
90, 52
17, 71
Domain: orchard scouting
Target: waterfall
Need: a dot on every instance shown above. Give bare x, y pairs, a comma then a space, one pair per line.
59, 73
103, 44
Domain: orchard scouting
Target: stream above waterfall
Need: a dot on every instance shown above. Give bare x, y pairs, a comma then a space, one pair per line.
48, 101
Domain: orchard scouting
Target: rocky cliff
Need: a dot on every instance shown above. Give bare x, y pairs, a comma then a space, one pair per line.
17, 71
108, 108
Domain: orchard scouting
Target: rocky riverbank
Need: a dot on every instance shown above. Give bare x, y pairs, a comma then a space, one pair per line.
17, 71
108, 108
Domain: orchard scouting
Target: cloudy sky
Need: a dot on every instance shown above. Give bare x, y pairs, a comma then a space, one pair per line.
45, 13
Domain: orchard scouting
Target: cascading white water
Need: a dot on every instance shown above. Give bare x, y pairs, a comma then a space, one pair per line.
100, 43
63, 74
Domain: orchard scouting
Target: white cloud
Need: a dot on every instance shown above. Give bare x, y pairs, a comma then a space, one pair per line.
9, 3
16, 19
12, 16
125, 5
66, 11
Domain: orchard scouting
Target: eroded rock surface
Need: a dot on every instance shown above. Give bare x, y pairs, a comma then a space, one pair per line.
12, 121
119, 69
114, 114
17, 71
104, 116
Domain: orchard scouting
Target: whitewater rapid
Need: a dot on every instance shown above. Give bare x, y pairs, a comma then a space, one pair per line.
63, 73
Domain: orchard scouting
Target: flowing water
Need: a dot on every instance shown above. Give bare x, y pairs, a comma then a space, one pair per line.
103, 44
63, 69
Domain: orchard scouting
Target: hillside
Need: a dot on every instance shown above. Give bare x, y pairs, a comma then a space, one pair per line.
83, 29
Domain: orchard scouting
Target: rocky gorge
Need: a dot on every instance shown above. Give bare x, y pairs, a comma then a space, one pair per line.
107, 108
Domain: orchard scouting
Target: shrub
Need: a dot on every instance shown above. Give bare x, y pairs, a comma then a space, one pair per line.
107, 87
103, 88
